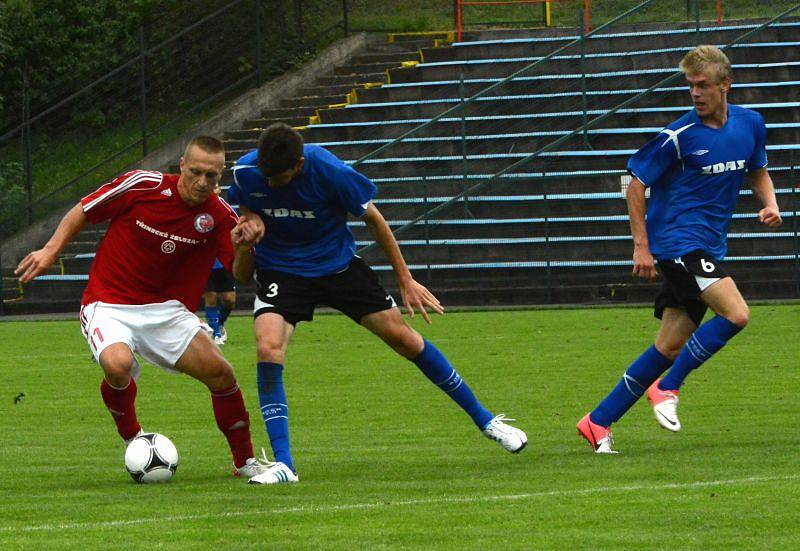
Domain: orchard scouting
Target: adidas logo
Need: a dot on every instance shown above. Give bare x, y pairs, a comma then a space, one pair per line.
167, 193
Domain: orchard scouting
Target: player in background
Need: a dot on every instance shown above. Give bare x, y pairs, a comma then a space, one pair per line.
219, 298
694, 169
146, 281
302, 194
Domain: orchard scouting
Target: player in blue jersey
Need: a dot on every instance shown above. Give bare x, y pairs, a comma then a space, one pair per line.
694, 169
294, 199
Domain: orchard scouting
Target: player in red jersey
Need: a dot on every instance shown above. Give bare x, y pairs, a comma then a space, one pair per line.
146, 282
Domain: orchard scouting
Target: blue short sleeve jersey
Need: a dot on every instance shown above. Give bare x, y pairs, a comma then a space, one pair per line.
694, 173
306, 221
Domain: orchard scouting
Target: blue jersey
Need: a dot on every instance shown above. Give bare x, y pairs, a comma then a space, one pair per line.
306, 221
694, 173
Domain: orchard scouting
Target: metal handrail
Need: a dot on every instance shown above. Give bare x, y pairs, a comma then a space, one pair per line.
480, 185
512, 76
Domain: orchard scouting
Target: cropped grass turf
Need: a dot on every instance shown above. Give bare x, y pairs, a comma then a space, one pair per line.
386, 461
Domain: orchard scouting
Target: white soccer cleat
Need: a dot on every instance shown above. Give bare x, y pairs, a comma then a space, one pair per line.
253, 466
219, 341
278, 473
511, 438
223, 334
665, 406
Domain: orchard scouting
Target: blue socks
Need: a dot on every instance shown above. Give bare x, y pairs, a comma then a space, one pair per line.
212, 318
635, 381
274, 410
704, 342
436, 368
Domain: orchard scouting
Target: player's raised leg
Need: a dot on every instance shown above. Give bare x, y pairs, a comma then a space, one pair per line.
203, 361
732, 315
394, 331
273, 333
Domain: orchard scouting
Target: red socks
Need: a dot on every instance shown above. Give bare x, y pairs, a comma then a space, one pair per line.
119, 402
234, 422
229, 411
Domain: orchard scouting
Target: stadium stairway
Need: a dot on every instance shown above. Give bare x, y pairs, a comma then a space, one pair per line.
554, 230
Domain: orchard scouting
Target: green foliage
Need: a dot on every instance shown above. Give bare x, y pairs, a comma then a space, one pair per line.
387, 461
14, 197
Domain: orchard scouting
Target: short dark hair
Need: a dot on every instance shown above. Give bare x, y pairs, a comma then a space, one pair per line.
279, 148
208, 144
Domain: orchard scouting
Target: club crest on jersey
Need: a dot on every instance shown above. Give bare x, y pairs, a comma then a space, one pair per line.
168, 246
719, 168
204, 223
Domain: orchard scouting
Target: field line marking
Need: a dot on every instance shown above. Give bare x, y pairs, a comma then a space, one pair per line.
401, 503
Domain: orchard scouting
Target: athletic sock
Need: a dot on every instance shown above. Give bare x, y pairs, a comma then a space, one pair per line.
635, 381
708, 339
436, 368
274, 410
212, 318
234, 422
224, 312
120, 403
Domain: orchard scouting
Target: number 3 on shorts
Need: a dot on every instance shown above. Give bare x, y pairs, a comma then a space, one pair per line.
708, 267
272, 290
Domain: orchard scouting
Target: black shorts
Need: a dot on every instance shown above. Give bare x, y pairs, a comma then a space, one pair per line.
685, 278
355, 292
220, 281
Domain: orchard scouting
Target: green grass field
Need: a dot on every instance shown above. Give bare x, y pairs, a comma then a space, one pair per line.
387, 461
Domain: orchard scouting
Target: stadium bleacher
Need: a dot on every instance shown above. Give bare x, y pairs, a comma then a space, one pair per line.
556, 228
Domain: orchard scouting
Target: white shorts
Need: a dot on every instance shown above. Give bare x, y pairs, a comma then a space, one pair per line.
160, 333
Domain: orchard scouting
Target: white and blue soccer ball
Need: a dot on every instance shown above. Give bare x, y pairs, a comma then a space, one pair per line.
151, 457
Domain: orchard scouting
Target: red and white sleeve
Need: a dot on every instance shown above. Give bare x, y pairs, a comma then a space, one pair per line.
113, 198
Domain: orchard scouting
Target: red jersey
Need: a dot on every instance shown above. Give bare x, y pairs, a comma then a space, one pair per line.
157, 247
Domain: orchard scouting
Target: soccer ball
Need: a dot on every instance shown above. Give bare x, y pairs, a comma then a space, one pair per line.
151, 457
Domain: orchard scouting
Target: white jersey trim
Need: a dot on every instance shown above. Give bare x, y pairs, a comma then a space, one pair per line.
128, 184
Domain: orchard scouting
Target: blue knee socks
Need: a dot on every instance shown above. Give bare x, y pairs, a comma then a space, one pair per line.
436, 368
212, 318
635, 381
274, 410
704, 342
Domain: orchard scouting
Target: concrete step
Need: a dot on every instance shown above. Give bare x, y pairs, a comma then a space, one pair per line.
543, 83
495, 69
313, 102
351, 79
568, 100
529, 119
501, 143
623, 41
261, 123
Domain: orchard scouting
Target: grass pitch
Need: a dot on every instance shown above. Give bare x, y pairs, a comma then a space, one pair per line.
387, 461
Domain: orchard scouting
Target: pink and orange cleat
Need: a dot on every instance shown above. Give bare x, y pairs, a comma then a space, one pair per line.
599, 437
665, 404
